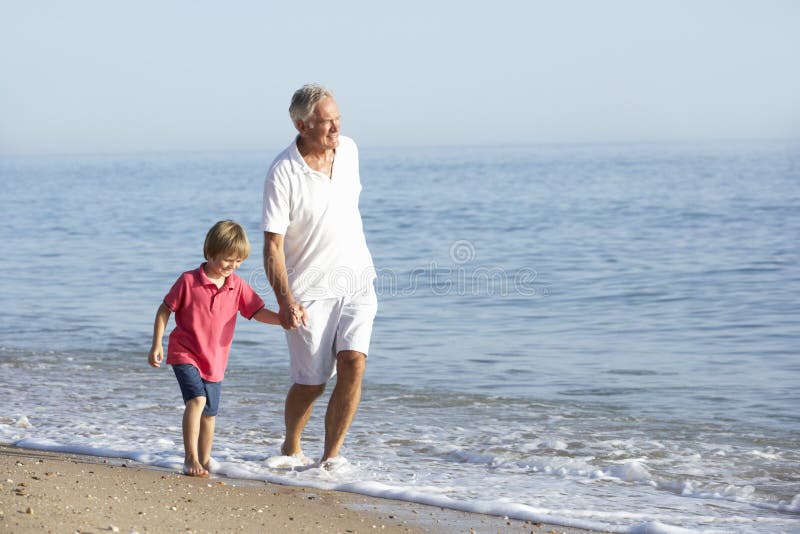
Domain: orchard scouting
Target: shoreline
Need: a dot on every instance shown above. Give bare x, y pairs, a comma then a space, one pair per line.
43, 491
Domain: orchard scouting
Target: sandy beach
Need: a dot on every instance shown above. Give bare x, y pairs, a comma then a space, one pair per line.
55, 492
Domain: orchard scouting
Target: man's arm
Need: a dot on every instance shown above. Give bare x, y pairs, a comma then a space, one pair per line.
291, 313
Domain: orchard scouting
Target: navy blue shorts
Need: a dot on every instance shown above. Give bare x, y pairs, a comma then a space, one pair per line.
193, 386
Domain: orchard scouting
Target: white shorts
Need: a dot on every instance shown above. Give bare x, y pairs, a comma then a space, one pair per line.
334, 325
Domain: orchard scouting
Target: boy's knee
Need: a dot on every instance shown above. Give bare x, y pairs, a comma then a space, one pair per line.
197, 402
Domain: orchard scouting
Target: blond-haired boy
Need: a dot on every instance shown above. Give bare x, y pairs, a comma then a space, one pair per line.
206, 301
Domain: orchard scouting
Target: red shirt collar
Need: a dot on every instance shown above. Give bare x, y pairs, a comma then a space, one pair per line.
207, 281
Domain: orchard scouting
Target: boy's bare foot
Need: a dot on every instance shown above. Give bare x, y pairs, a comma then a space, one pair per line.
195, 470
210, 465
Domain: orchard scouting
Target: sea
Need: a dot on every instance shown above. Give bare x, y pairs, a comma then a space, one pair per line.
604, 336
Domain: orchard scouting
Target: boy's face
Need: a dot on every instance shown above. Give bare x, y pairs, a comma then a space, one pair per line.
223, 265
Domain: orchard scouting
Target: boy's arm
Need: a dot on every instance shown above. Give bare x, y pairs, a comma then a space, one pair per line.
156, 355
267, 316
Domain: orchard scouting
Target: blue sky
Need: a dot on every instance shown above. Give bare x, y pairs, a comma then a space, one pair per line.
102, 76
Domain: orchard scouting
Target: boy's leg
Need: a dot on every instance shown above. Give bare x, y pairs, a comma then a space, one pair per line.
192, 415
202, 402
206, 440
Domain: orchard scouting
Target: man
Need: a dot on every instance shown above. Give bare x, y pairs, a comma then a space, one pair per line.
317, 261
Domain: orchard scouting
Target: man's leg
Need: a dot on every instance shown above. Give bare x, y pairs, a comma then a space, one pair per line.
299, 403
344, 400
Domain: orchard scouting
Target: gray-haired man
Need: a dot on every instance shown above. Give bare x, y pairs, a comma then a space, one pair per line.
317, 261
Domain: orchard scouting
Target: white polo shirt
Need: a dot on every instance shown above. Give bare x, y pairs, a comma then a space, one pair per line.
324, 244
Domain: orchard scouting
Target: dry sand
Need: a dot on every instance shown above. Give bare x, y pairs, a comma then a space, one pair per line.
68, 493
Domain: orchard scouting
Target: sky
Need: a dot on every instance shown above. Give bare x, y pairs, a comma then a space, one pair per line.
89, 76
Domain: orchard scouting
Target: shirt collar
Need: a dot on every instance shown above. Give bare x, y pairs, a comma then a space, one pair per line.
207, 281
297, 160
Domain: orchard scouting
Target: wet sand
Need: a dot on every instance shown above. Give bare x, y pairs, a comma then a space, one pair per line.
56, 492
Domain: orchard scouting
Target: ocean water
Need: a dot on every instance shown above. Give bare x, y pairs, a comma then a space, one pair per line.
601, 336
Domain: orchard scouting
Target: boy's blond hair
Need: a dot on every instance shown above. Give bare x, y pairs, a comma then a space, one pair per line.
226, 238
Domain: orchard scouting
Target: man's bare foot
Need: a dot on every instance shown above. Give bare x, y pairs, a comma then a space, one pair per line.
333, 463
287, 452
297, 459
195, 470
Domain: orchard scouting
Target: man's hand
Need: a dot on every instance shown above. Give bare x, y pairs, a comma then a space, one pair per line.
293, 316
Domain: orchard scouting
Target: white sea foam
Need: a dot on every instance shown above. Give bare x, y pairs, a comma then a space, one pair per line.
365, 478
631, 471
23, 422
656, 527
765, 455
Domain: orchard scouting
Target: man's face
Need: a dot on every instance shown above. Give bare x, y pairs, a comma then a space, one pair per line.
322, 128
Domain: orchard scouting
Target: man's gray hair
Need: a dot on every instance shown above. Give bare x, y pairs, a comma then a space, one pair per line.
305, 99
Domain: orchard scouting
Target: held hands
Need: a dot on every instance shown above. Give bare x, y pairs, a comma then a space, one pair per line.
156, 356
293, 316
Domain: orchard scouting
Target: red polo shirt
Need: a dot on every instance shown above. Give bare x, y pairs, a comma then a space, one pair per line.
205, 317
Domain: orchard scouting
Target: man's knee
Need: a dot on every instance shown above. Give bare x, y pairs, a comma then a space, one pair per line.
351, 362
308, 391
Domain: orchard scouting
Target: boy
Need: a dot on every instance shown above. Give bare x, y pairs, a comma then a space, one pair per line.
205, 302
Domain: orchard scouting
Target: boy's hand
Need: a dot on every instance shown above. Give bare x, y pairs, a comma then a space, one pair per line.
156, 356
293, 316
